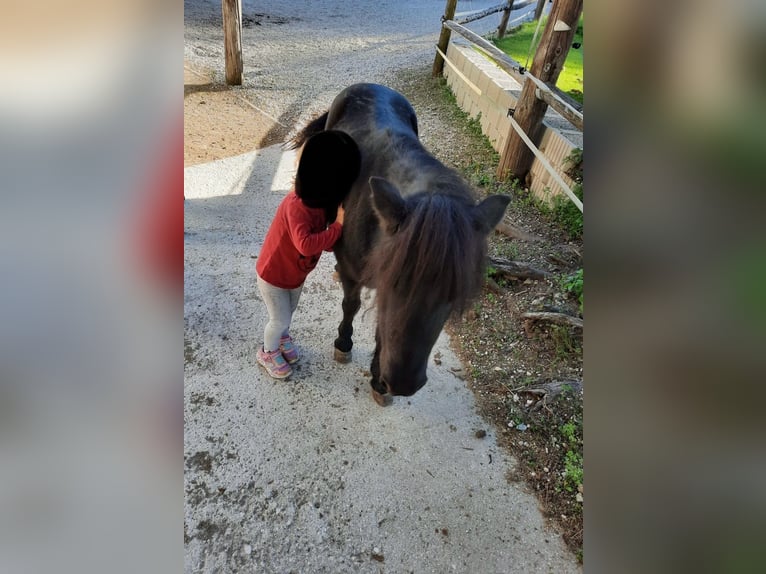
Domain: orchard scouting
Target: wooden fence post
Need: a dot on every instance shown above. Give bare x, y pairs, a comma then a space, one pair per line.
232, 40
504, 20
449, 14
516, 158
539, 9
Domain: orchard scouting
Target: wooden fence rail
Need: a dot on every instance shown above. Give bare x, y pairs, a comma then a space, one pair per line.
546, 93
546, 164
536, 92
494, 9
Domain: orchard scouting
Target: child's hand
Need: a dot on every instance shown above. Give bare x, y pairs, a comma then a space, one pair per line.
341, 213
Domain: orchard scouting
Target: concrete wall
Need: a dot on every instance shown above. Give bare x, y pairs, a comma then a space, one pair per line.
498, 93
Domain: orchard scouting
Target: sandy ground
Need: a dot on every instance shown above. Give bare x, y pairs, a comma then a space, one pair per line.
309, 474
221, 122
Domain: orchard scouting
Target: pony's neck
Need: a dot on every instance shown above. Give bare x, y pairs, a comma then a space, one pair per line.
414, 170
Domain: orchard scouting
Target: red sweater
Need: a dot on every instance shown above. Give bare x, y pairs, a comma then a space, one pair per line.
294, 242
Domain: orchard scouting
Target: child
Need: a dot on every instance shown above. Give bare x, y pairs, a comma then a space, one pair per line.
307, 222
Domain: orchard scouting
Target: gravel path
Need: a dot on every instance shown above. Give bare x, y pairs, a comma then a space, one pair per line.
310, 475
298, 55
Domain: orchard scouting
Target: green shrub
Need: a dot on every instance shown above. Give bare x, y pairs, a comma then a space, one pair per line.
563, 211
574, 285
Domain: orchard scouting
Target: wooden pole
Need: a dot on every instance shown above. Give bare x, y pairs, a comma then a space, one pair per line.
562, 103
449, 14
232, 39
516, 158
508, 64
504, 20
539, 9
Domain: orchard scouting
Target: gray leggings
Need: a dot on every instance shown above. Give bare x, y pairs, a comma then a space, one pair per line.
281, 304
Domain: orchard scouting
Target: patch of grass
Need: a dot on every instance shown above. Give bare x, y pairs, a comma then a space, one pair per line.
446, 92
563, 211
574, 285
516, 45
474, 126
507, 250
563, 341
480, 170
567, 214
573, 471
527, 199
478, 174
571, 431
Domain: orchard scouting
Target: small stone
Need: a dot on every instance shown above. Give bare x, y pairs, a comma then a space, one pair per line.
248, 549
578, 497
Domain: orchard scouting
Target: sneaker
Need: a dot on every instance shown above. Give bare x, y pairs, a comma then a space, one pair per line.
289, 352
274, 363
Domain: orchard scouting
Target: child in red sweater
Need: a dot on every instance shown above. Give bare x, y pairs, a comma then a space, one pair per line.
307, 222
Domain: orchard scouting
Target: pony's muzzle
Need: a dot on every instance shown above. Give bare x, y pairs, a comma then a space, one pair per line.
405, 390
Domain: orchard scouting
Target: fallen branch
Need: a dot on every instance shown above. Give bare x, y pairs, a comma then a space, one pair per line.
573, 250
494, 287
512, 231
517, 270
539, 397
558, 260
558, 318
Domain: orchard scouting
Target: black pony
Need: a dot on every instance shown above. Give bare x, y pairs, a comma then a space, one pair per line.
412, 232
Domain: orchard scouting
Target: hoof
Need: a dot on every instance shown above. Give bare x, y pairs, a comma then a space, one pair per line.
342, 357
382, 400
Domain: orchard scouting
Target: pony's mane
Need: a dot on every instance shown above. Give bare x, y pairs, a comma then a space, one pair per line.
437, 253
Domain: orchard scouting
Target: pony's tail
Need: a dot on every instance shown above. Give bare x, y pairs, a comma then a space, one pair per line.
314, 127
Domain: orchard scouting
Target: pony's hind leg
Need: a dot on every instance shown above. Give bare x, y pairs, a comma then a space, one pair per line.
351, 303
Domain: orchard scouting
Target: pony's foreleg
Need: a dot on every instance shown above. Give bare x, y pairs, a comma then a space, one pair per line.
379, 391
351, 303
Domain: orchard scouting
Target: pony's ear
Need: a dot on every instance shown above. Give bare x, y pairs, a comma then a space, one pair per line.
388, 204
490, 212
